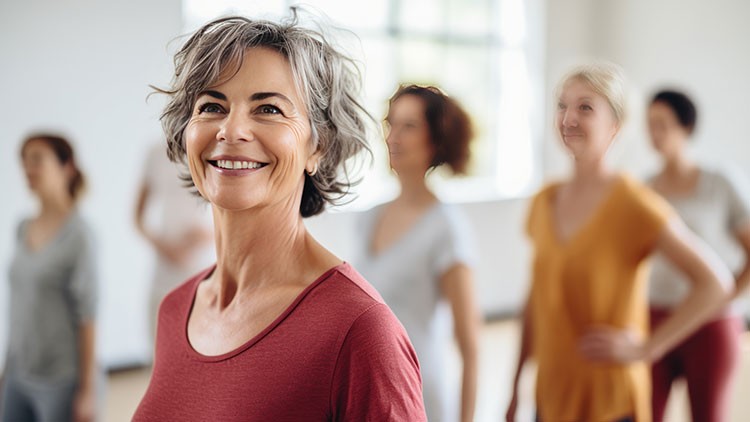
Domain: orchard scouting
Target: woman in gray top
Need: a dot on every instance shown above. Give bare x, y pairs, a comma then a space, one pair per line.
715, 205
50, 370
418, 252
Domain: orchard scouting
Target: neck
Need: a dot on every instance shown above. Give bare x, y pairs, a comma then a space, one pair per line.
414, 189
591, 172
259, 248
55, 206
678, 166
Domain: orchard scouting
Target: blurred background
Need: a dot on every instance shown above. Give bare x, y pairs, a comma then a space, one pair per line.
83, 68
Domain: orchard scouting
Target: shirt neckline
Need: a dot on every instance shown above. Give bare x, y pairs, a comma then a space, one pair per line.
403, 237
580, 232
341, 268
54, 239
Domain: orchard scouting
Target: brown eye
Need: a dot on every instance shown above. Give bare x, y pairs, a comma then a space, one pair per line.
210, 108
269, 109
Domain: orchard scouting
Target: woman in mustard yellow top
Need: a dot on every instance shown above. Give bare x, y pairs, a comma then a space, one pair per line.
586, 319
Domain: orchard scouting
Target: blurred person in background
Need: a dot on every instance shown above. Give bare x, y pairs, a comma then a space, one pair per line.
715, 205
50, 369
265, 115
419, 252
585, 322
181, 235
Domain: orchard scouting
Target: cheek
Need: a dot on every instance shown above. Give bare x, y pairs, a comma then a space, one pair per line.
197, 137
603, 127
298, 139
418, 142
53, 175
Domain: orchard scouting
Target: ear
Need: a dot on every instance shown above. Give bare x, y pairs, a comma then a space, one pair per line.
313, 162
69, 170
616, 128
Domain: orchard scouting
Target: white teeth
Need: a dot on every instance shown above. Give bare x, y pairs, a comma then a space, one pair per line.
236, 165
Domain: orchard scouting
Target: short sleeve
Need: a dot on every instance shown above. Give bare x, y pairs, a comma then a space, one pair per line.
377, 374
651, 214
83, 282
532, 214
738, 193
457, 244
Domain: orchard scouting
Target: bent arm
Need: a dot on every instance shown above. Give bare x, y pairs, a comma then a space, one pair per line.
140, 209
705, 272
742, 281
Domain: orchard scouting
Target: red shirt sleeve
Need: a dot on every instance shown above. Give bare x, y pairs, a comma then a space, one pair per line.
377, 374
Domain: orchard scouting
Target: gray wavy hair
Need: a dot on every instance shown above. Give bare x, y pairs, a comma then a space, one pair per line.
328, 82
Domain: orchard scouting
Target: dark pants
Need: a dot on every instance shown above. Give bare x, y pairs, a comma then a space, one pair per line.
36, 402
708, 362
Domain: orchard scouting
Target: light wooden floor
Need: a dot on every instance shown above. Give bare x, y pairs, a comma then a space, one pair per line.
499, 345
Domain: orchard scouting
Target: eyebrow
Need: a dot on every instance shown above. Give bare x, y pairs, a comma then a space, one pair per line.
590, 99
258, 96
263, 95
215, 94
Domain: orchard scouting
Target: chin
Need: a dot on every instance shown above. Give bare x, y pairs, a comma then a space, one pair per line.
232, 201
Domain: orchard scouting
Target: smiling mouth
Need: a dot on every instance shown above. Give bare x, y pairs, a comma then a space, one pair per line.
236, 164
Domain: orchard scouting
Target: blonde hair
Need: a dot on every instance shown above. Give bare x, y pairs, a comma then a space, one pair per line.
606, 79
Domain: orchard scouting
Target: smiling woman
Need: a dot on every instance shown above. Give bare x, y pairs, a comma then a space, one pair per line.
248, 140
264, 115
585, 320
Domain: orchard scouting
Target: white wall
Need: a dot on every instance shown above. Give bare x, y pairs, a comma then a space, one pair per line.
83, 67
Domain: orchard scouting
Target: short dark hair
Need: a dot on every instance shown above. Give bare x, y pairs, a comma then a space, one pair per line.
682, 106
328, 81
64, 152
450, 126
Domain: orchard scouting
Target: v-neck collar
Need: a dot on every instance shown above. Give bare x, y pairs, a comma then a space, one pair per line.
580, 231
403, 237
59, 234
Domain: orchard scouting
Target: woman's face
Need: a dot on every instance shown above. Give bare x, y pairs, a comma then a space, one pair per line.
45, 174
668, 136
248, 141
408, 136
585, 122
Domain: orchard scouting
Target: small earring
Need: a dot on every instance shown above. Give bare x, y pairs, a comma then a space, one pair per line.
314, 171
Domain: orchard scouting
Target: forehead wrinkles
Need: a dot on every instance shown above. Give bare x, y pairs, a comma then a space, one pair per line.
233, 66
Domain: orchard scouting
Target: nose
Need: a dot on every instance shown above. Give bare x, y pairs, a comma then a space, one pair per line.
391, 137
569, 118
235, 127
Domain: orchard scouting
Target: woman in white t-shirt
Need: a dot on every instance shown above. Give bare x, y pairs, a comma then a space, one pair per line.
418, 252
715, 205
181, 232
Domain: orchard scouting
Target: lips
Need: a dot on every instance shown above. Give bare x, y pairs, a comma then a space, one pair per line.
236, 164
225, 164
